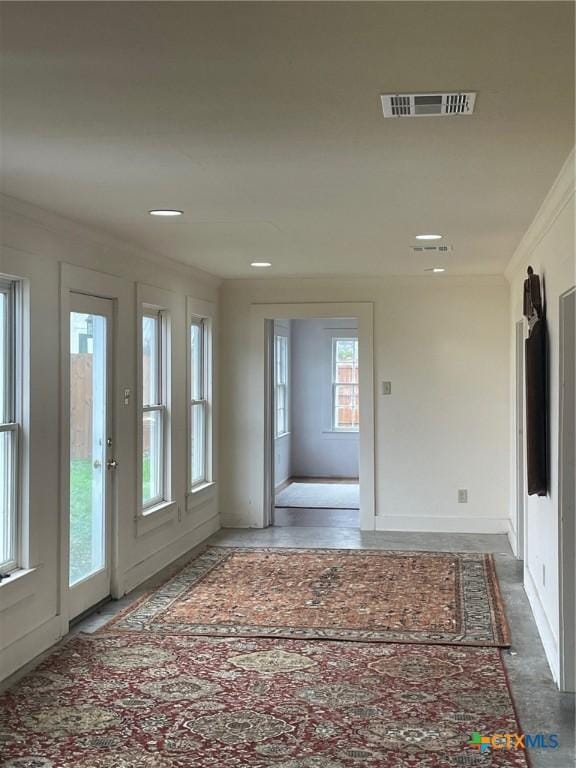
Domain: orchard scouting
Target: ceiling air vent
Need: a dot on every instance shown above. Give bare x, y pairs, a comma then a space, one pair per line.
428, 104
431, 248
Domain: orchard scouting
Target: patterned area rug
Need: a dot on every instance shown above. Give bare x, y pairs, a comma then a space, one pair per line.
142, 701
366, 595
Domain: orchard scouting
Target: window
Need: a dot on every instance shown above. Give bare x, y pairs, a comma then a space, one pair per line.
345, 384
199, 401
154, 408
281, 385
9, 428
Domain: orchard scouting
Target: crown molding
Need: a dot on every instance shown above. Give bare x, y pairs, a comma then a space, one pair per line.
62, 225
560, 194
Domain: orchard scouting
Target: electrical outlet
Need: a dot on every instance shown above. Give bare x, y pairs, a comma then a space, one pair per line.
463, 496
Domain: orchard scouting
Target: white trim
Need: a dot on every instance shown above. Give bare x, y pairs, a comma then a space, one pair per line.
171, 551
519, 416
512, 538
164, 302
20, 585
200, 309
60, 225
256, 439
545, 630
430, 524
75, 279
200, 495
30, 645
555, 201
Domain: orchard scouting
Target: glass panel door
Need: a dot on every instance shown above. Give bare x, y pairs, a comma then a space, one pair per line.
90, 446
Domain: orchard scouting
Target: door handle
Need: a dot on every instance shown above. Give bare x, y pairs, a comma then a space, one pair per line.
112, 464
97, 464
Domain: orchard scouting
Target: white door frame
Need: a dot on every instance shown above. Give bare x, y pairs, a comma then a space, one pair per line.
75, 280
260, 435
566, 496
519, 431
269, 470
96, 586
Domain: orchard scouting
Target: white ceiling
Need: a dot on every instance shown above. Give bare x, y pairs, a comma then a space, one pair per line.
262, 121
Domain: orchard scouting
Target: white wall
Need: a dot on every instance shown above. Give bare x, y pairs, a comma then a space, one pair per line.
34, 243
283, 443
316, 450
443, 342
549, 247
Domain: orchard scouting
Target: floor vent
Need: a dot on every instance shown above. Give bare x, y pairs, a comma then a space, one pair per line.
428, 104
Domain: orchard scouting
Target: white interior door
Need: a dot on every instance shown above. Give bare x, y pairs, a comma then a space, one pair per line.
92, 464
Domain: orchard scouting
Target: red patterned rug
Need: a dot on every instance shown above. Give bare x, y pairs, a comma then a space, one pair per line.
364, 595
147, 701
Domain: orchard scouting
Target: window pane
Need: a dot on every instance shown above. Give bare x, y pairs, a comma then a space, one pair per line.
281, 385
7, 497
346, 406
152, 459
87, 444
150, 360
196, 368
346, 361
198, 443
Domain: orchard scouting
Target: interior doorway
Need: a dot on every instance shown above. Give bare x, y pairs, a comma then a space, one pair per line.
315, 366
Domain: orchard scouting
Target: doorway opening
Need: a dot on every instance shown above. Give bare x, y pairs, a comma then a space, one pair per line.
315, 396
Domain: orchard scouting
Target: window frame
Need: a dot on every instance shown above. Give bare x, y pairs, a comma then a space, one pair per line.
12, 410
162, 377
206, 311
280, 336
335, 384
202, 403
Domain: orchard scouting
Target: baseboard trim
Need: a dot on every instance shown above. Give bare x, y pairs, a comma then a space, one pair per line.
144, 570
512, 539
323, 479
430, 524
550, 643
25, 649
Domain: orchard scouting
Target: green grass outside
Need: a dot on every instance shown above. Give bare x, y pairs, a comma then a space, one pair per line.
81, 515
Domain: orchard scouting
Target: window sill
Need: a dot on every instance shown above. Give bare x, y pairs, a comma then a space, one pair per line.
154, 517
17, 587
201, 494
339, 433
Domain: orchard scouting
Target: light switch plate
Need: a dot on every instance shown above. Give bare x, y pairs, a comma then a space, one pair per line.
386, 387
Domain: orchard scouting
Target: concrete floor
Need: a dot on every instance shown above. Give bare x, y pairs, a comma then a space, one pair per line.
540, 706
316, 518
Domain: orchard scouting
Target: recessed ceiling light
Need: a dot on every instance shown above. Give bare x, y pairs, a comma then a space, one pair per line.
428, 237
436, 270
165, 212
260, 264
